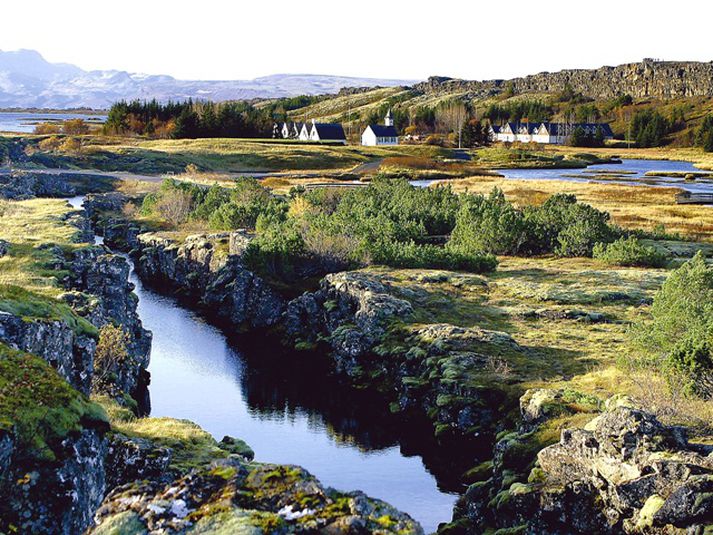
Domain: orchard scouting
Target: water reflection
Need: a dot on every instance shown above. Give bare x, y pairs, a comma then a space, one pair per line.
290, 412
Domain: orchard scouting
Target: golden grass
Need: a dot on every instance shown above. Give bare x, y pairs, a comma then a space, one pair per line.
27, 225
633, 207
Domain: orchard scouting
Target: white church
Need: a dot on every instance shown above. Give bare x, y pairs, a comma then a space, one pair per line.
377, 134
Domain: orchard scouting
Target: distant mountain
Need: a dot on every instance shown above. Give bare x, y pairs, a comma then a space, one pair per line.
27, 80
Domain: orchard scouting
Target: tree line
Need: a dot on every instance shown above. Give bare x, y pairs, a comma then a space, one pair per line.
188, 119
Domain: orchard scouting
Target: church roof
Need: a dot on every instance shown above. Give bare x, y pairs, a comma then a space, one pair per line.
327, 131
383, 131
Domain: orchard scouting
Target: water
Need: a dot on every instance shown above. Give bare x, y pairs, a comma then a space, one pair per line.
286, 412
638, 167
25, 122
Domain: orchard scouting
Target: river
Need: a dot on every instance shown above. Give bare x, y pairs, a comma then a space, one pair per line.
287, 413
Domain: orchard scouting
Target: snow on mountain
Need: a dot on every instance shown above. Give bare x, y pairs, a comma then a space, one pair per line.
27, 80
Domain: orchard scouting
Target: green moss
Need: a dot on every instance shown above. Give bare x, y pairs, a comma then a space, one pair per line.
124, 523
192, 446
481, 472
41, 406
32, 306
646, 515
516, 530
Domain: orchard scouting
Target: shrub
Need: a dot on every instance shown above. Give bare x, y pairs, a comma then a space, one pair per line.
488, 224
629, 252
584, 227
111, 354
174, 206
75, 127
679, 334
47, 128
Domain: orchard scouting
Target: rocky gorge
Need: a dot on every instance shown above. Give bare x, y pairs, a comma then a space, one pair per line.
65, 458
543, 461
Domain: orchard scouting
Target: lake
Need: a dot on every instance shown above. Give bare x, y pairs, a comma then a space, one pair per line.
634, 169
25, 122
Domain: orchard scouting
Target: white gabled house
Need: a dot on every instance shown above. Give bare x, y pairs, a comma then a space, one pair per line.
304, 133
377, 134
548, 133
330, 132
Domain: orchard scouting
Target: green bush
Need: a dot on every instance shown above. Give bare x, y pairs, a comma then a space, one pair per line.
585, 226
488, 224
629, 252
679, 334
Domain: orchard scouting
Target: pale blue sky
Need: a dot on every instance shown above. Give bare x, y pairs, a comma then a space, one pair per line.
211, 39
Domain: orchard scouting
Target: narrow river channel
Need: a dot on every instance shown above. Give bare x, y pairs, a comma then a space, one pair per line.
284, 415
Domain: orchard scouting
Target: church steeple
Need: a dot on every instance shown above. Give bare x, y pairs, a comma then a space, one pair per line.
389, 119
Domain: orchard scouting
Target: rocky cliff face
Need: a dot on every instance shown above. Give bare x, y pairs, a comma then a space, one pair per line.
66, 350
648, 79
440, 371
210, 268
623, 472
104, 296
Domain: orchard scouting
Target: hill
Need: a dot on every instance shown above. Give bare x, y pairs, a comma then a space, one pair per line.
681, 91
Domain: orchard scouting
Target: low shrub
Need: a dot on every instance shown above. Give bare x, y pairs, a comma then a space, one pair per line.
629, 252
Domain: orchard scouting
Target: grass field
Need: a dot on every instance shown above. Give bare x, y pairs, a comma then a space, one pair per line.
217, 155
569, 317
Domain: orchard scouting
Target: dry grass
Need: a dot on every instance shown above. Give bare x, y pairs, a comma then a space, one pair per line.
634, 207
27, 225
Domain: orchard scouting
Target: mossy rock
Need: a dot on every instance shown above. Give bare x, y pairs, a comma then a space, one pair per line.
39, 406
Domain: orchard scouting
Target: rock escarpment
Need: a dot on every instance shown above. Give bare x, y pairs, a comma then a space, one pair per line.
623, 472
103, 295
647, 79
210, 268
444, 372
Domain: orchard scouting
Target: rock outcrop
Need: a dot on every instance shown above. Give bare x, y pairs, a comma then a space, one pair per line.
623, 472
446, 373
210, 269
66, 349
26, 184
103, 295
231, 496
647, 79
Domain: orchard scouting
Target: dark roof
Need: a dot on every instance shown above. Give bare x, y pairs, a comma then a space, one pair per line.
495, 128
327, 131
383, 131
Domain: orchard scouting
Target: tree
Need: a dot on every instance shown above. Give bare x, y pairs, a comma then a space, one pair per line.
452, 116
704, 135
175, 205
475, 134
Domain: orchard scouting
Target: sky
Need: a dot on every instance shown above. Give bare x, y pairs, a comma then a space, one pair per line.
411, 40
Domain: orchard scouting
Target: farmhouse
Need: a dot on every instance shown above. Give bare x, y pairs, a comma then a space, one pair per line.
376, 134
287, 130
332, 132
553, 133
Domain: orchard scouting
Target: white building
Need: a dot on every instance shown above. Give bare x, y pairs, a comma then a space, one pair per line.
549, 133
326, 132
376, 134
